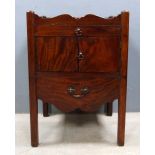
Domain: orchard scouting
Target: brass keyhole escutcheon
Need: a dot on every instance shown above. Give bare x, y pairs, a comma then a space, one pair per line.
80, 55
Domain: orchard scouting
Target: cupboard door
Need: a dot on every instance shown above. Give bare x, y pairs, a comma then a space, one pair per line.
56, 54
99, 54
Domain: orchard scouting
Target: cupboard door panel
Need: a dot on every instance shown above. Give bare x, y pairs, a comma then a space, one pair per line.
100, 54
56, 54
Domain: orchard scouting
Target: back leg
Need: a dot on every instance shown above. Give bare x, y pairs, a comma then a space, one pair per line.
45, 109
109, 108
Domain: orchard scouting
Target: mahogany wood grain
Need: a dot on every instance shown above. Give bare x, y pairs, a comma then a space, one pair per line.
52, 87
56, 54
53, 30
101, 54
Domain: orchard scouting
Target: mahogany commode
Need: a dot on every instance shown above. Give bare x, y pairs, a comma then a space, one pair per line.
77, 63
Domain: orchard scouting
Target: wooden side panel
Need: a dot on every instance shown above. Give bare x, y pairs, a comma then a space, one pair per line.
56, 54
53, 88
101, 54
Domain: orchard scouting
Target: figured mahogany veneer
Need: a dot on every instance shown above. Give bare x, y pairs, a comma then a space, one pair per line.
77, 63
102, 54
62, 59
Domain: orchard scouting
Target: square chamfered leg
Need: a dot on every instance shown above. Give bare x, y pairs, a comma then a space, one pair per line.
109, 108
121, 113
45, 109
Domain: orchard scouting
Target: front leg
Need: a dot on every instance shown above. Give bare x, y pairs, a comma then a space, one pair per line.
33, 115
121, 113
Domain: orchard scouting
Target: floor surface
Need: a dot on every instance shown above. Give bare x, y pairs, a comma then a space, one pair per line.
71, 134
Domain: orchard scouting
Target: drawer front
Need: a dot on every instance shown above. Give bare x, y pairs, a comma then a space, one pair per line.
79, 90
100, 54
90, 31
56, 54
100, 30
49, 30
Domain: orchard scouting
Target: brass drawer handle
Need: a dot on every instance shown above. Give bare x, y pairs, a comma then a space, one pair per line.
78, 31
84, 90
72, 91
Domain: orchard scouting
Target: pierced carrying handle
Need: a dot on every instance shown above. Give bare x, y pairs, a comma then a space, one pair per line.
72, 91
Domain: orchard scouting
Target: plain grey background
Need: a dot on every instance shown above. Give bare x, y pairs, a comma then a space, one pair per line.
76, 8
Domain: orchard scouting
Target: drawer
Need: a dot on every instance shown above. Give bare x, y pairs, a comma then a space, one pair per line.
50, 30
85, 91
100, 30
